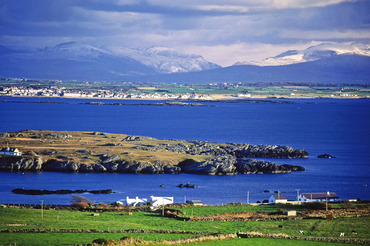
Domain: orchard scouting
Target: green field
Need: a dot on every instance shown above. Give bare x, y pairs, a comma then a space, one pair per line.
21, 218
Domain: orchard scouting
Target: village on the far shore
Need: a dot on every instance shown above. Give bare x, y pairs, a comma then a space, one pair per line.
21, 87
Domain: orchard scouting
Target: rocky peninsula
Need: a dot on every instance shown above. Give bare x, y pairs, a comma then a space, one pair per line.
102, 152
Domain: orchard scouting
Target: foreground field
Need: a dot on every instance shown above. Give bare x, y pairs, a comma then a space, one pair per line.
20, 226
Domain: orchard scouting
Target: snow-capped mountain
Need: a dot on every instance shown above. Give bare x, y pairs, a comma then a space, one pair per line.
167, 60
83, 61
74, 50
313, 53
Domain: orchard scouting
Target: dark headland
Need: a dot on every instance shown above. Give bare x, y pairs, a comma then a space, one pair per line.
120, 153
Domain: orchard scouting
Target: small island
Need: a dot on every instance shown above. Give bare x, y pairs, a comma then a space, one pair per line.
119, 153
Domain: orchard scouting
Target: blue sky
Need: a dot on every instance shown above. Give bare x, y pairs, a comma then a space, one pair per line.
224, 32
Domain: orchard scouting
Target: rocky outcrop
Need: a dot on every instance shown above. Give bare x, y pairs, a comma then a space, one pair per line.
237, 150
17, 163
253, 166
229, 165
136, 138
218, 165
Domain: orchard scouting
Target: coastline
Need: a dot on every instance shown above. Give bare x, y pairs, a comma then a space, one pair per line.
212, 97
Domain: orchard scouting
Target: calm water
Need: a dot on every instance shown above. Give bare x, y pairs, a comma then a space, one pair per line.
338, 127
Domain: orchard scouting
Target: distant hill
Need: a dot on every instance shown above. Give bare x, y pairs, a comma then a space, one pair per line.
335, 69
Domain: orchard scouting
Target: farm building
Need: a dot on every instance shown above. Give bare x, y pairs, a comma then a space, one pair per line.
278, 199
195, 202
318, 197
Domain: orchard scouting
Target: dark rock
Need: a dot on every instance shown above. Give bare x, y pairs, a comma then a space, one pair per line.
61, 166
253, 166
171, 169
220, 165
325, 156
188, 185
21, 163
50, 192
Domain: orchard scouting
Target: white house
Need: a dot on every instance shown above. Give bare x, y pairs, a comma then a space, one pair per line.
195, 202
156, 201
159, 201
10, 151
135, 201
318, 197
278, 199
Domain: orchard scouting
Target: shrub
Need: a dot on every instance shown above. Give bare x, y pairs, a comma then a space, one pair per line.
101, 241
265, 201
103, 205
79, 199
81, 205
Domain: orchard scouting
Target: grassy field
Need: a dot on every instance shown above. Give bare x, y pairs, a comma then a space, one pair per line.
112, 221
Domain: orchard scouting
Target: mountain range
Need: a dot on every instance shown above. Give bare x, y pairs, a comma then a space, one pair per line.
338, 63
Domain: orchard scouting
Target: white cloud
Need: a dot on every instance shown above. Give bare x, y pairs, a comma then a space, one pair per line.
240, 6
327, 34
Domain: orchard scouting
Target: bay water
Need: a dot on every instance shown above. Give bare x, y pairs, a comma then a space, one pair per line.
339, 127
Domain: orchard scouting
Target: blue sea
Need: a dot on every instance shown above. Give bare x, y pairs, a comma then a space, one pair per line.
339, 127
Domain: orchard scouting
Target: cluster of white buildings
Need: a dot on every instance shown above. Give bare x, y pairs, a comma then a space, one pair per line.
62, 92
154, 201
307, 197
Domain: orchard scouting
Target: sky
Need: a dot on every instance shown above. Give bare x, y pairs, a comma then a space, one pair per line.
222, 31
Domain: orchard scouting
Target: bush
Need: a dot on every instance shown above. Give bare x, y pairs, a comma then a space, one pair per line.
81, 205
102, 205
101, 241
265, 201
79, 199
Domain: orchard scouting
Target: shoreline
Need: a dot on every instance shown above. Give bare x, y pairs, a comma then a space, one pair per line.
213, 98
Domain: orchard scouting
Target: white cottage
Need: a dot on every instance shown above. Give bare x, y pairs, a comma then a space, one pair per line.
135, 201
159, 201
156, 201
318, 197
10, 151
278, 199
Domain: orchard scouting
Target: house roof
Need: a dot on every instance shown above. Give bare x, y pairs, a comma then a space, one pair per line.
9, 150
279, 197
322, 195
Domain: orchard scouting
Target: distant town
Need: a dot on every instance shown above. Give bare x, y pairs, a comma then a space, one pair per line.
174, 91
